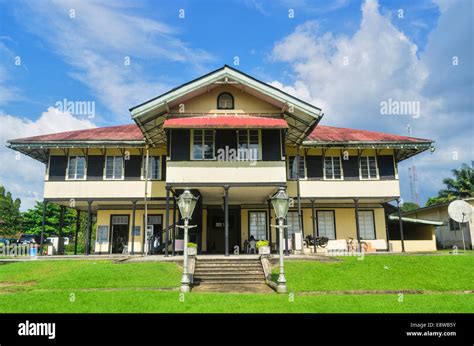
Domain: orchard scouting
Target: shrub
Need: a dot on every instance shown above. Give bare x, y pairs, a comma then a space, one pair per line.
262, 243
192, 245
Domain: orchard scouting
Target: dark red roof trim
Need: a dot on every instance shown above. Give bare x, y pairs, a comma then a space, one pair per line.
235, 122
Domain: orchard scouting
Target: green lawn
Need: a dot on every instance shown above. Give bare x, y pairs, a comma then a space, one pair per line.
104, 286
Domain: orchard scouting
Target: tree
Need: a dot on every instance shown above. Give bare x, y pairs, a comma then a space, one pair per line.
33, 219
10, 216
461, 186
408, 206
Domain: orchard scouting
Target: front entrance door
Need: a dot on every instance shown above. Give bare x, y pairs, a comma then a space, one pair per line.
216, 230
119, 235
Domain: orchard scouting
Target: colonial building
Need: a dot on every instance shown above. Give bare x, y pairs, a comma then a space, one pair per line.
233, 140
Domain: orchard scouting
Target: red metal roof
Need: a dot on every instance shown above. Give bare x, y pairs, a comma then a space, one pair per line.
132, 132
339, 134
227, 121
111, 133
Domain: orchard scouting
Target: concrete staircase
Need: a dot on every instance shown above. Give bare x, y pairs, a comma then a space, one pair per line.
229, 272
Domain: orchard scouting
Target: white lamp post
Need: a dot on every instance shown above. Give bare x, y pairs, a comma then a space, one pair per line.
186, 203
281, 203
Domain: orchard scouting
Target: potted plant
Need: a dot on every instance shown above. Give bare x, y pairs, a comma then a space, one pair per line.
263, 247
192, 249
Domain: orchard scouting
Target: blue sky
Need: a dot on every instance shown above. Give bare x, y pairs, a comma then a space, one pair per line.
396, 49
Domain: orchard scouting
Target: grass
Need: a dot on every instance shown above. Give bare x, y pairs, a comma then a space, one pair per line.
104, 286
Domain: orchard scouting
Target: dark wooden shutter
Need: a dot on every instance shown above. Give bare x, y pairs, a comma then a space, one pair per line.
314, 166
180, 145
57, 168
133, 167
386, 167
283, 143
225, 138
351, 168
95, 167
271, 146
163, 167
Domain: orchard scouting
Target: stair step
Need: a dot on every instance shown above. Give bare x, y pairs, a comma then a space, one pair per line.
229, 281
228, 264
230, 272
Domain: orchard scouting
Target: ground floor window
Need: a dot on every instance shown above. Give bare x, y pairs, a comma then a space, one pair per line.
293, 223
258, 224
366, 224
326, 226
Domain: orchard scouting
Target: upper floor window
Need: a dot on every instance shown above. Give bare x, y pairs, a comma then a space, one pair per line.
154, 171
332, 167
248, 144
76, 168
225, 101
368, 167
114, 167
203, 144
292, 163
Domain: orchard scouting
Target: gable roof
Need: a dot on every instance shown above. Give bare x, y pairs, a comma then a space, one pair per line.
301, 116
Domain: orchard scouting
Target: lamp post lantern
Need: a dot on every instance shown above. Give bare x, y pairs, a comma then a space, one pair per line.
186, 203
281, 203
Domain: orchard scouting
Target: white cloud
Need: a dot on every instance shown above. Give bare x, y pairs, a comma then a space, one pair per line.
21, 175
348, 77
98, 40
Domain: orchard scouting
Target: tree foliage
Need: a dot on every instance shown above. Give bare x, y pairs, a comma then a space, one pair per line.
32, 220
10, 215
461, 186
409, 206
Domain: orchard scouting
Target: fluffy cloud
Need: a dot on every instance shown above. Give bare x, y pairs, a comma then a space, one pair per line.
107, 44
20, 174
349, 77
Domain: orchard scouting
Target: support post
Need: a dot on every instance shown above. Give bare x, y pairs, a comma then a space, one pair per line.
298, 196
281, 287
78, 225
134, 209
145, 200
315, 230
167, 221
285, 233
226, 218
269, 223
175, 220
185, 279
89, 227
356, 201
43, 225
387, 233
400, 223
60, 231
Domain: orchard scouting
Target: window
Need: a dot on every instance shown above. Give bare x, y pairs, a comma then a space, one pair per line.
76, 169
248, 144
326, 226
119, 219
203, 145
114, 167
368, 167
332, 167
366, 224
292, 223
225, 101
292, 167
258, 225
453, 225
154, 170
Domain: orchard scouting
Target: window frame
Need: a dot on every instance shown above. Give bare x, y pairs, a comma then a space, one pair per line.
333, 220
160, 173
191, 142
377, 177
265, 220
75, 168
303, 159
231, 96
332, 166
373, 222
105, 168
298, 221
259, 132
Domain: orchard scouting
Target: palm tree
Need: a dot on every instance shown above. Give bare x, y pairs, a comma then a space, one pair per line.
461, 186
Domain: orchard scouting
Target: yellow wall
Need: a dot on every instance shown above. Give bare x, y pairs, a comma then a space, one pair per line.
243, 103
103, 219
